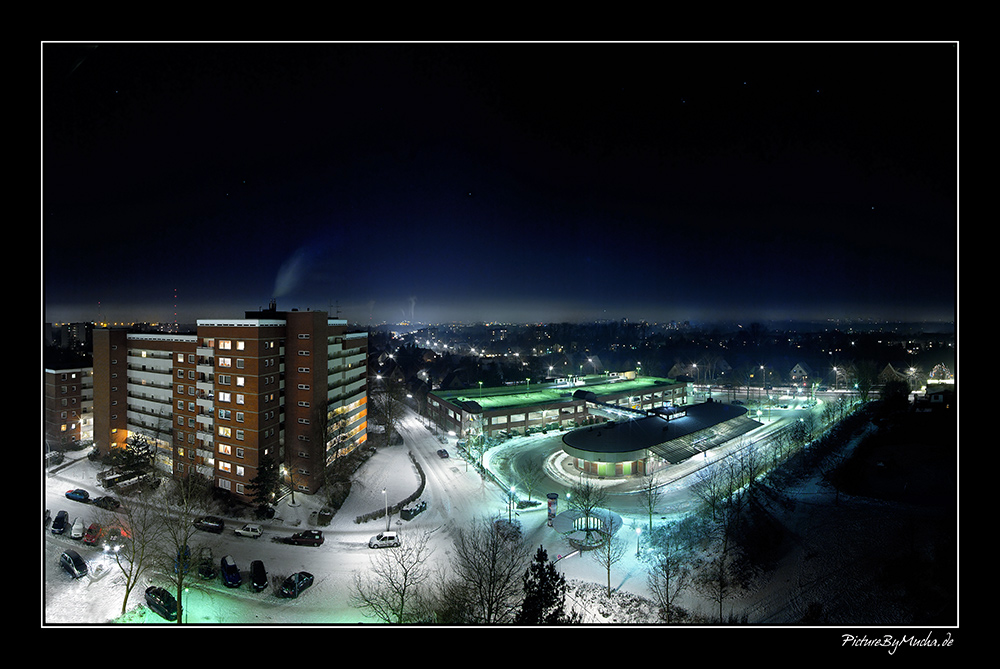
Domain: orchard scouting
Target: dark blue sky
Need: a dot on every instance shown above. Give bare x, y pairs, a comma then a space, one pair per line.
527, 182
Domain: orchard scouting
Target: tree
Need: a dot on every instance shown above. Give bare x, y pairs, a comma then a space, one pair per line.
187, 499
391, 590
130, 534
265, 485
389, 404
651, 493
668, 576
136, 455
586, 497
488, 565
611, 549
544, 594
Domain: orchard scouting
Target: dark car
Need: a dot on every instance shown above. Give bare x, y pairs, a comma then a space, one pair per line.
79, 495
231, 573
60, 523
182, 563
296, 583
258, 576
161, 602
73, 563
210, 524
206, 563
307, 538
442, 453
109, 503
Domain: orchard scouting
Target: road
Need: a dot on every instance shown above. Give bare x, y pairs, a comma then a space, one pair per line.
456, 494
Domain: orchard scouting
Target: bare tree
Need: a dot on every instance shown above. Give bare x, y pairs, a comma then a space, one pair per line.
187, 499
651, 494
709, 485
611, 549
669, 574
586, 497
488, 564
391, 590
130, 535
389, 404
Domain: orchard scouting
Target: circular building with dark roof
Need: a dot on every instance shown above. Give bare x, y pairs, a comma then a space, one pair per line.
655, 438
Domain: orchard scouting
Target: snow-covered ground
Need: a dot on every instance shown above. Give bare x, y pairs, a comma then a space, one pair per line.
828, 564
455, 495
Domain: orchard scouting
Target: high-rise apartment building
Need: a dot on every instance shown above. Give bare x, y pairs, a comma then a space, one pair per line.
68, 398
291, 385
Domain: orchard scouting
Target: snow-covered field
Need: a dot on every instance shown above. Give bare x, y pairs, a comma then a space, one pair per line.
828, 563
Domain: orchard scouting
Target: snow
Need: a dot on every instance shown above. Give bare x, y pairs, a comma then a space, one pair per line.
815, 570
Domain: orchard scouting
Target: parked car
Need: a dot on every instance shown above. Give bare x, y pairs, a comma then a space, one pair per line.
206, 563
231, 573
60, 522
161, 602
109, 503
73, 563
79, 495
258, 576
307, 538
210, 524
296, 583
77, 531
250, 530
442, 453
384, 540
182, 563
92, 534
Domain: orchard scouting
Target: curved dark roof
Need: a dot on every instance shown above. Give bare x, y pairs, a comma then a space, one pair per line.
636, 435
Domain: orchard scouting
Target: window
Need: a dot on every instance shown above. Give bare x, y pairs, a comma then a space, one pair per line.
225, 449
225, 431
225, 344
241, 381
224, 396
225, 362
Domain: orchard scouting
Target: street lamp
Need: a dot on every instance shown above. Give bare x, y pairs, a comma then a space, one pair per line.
638, 531
386, 496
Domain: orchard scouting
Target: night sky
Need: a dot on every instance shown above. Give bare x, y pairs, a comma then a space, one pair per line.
514, 182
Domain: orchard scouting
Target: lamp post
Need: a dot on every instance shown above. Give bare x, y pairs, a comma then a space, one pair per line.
386, 496
638, 531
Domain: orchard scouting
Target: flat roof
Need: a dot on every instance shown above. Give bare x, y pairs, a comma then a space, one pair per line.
639, 434
510, 397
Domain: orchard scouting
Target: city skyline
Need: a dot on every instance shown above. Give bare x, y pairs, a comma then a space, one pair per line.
500, 182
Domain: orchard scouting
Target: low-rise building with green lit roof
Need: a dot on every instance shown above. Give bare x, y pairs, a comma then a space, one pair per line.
528, 407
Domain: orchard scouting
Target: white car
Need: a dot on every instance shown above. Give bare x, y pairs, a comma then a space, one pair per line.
250, 530
78, 529
384, 540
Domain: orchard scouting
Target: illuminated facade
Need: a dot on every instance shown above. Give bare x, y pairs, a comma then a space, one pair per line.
652, 440
68, 403
510, 411
290, 385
